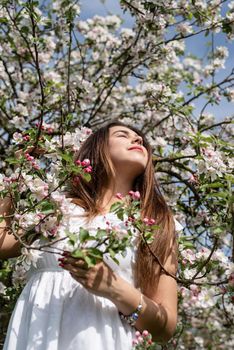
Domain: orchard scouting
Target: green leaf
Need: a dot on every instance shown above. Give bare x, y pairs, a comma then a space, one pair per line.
212, 185
47, 207
187, 245
67, 157
220, 194
120, 214
12, 160
96, 253
83, 235
24, 29
116, 206
112, 255
72, 238
154, 227
90, 261
78, 253
86, 177
100, 234
149, 237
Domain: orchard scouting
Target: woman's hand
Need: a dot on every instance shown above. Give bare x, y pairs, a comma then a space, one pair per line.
99, 279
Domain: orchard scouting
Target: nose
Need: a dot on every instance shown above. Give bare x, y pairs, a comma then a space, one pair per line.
137, 139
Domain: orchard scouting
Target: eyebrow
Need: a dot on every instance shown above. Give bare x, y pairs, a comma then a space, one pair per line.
125, 132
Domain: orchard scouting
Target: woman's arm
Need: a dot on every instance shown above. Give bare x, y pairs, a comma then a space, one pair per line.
159, 312
9, 246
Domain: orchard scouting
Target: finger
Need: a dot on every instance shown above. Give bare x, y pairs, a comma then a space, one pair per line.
75, 262
75, 270
81, 280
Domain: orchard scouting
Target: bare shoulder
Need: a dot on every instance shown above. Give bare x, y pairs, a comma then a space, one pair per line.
9, 246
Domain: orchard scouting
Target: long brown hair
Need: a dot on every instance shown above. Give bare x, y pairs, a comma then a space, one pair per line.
89, 195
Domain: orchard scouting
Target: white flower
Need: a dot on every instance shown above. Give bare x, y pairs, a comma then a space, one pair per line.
38, 187
184, 28
127, 33
75, 139
230, 94
28, 220
203, 253
220, 256
193, 63
19, 122
2, 288
52, 75
160, 141
23, 96
189, 255
206, 298
201, 4
207, 118
19, 275
31, 256
189, 273
221, 52
2, 183
199, 341
22, 110
17, 137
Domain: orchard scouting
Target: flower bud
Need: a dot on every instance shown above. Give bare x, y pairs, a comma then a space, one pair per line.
151, 221
135, 195
145, 333
119, 195
85, 162
88, 169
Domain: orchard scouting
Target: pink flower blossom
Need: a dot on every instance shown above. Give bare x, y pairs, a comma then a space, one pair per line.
193, 179
135, 195
26, 138
145, 333
88, 169
148, 221
85, 162
119, 195
137, 334
28, 157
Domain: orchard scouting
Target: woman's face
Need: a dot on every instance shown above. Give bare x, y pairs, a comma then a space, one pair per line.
127, 151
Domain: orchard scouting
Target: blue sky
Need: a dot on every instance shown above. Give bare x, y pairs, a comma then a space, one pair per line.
195, 45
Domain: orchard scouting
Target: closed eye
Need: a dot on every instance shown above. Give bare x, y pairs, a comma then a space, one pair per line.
122, 135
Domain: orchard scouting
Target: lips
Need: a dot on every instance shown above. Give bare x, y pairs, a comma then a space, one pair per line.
138, 148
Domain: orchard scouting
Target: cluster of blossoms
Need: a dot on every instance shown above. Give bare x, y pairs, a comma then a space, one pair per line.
133, 195
31, 160
191, 256
213, 163
85, 164
143, 341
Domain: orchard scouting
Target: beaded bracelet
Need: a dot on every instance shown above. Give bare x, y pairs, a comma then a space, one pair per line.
133, 317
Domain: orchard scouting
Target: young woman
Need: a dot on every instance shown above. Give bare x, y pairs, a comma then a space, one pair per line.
66, 305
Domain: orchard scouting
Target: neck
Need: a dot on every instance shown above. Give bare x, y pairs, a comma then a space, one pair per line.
117, 186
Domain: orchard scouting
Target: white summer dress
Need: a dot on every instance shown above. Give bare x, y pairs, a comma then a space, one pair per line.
55, 312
